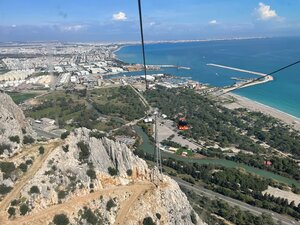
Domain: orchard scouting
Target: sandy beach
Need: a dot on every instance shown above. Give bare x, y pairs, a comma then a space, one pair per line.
242, 102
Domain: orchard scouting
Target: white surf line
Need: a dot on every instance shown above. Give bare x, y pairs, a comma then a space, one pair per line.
237, 69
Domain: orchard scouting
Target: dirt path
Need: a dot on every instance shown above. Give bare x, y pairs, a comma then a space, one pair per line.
23, 180
126, 206
43, 216
25, 151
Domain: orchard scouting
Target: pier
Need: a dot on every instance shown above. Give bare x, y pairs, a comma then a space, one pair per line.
237, 69
245, 82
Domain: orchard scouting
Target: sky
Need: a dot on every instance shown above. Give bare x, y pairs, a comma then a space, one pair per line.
117, 20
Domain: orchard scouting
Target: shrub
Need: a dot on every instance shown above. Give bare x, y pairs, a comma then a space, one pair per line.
89, 216
7, 167
97, 134
61, 219
34, 190
65, 148
61, 194
11, 211
28, 162
158, 216
23, 167
64, 135
41, 150
112, 171
4, 147
110, 204
91, 173
28, 139
14, 202
84, 151
4, 189
15, 139
24, 131
24, 209
129, 172
148, 221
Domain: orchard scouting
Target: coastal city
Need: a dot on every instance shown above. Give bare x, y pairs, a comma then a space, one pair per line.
149, 112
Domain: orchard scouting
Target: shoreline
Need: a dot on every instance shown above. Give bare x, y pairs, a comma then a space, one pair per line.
253, 105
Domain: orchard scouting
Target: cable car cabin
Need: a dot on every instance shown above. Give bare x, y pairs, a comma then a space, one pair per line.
182, 124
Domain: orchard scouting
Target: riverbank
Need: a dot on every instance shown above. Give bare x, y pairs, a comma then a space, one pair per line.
243, 102
149, 148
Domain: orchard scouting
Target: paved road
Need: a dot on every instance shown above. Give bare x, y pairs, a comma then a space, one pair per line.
166, 129
284, 220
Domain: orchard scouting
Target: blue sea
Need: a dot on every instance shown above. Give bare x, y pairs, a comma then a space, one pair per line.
261, 55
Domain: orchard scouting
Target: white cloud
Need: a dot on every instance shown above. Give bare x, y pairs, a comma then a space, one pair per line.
264, 12
14, 26
120, 16
72, 28
152, 24
213, 22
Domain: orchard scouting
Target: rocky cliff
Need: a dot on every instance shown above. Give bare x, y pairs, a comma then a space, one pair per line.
105, 180
13, 126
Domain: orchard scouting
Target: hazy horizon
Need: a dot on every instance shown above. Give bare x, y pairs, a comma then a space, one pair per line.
100, 21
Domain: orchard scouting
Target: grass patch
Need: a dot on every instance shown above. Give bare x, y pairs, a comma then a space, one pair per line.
19, 98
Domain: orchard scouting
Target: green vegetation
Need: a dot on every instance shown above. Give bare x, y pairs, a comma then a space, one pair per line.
211, 122
129, 172
23, 167
7, 167
41, 150
24, 209
90, 216
91, 173
205, 207
61, 219
110, 204
102, 109
61, 194
28, 139
181, 150
19, 98
34, 190
208, 121
112, 171
97, 134
11, 211
126, 131
15, 139
282, 166
65, 148
4, 189
171, 144
235, 183
84, 151
158, 216
65, 135
4, 147
148, 221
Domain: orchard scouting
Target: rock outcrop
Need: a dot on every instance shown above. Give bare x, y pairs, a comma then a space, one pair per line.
118, 176
13, 126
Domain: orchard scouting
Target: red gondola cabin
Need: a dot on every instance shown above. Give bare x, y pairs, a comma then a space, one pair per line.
182, 124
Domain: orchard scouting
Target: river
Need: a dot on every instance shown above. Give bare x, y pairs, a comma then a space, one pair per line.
146, 146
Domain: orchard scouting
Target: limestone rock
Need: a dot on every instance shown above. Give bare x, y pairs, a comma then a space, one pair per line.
12, 123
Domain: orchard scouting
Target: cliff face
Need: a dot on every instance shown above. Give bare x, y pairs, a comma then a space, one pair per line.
13, 126
121, 179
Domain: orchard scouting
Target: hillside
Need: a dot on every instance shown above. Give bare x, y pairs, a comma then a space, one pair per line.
14, 129
96, 181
